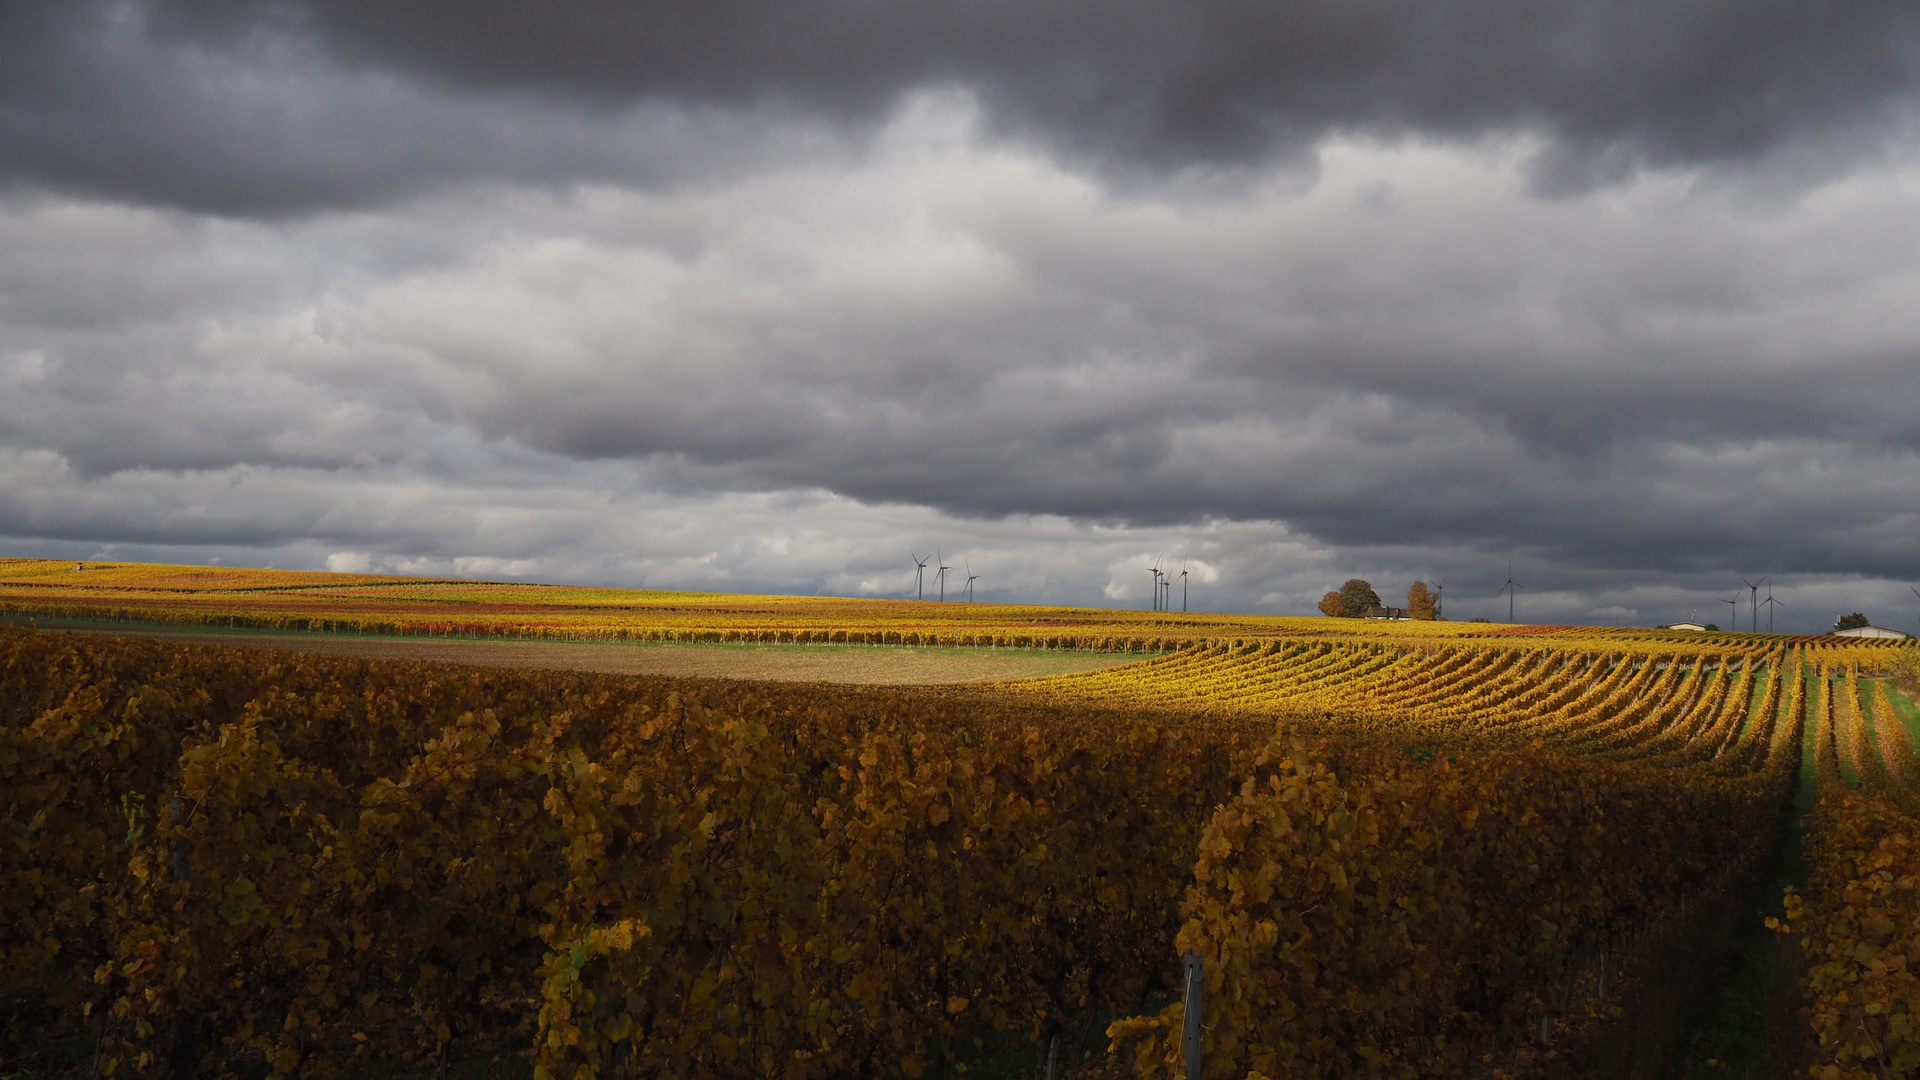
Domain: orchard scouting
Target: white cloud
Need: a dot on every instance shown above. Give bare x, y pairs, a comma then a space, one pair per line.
350, 562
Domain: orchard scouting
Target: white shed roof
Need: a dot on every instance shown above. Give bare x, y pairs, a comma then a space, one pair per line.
1869, 631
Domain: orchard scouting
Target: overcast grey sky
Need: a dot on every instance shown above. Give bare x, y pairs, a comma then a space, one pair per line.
758, 295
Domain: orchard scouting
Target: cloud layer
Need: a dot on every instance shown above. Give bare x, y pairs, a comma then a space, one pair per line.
754, 297
249, 107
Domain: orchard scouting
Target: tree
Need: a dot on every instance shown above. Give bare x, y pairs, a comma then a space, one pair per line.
1359, 598
1850, 622
1419, 601
1355, 600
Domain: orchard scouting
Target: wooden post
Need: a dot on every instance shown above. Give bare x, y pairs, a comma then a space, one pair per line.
1190, 1037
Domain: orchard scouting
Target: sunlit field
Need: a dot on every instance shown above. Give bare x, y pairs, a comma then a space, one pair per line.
363, 603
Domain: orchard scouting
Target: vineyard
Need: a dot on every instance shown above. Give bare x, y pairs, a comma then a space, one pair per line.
1396, 850
360, 603
201, 596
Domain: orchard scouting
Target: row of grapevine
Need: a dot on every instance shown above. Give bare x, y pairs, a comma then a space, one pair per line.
1362, 912
1859, 921
1620, 705
1367, 910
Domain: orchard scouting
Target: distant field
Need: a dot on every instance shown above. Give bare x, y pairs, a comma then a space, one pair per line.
879, 665
239, 598
307, 600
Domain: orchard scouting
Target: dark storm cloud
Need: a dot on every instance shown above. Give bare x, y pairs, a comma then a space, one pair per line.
251, 107
96, 100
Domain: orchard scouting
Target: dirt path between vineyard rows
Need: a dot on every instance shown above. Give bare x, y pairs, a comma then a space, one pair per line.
868, 665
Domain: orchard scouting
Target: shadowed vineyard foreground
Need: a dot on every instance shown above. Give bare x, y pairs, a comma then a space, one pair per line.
1394, 859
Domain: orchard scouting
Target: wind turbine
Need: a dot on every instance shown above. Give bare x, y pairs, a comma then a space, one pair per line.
1183, 590
1511, 588
1771, 603
1913, 590
942, 574
1155, 571
1439, 591
1755, 586
1733, 618
919, 576
971, 578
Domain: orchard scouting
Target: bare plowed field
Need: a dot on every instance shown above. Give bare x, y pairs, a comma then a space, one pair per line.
869, 665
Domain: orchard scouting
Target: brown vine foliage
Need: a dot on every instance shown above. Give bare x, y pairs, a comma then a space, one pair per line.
342, 861
1860, 927
1366, 913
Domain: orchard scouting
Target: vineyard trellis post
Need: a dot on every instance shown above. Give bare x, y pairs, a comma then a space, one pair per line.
1190, 1035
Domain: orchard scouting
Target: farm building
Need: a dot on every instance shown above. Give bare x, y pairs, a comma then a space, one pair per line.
1870, 632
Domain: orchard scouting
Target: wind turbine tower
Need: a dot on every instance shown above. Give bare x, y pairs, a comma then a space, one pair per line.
1755, 586
1770, 604
1511, 588
1733, 613
1183, 590
941, 574
919, 577
971, 578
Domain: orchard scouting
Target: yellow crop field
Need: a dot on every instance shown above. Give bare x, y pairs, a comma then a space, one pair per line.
365, 603
368, 603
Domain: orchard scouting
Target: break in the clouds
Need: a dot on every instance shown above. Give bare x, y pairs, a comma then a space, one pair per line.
764, 295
